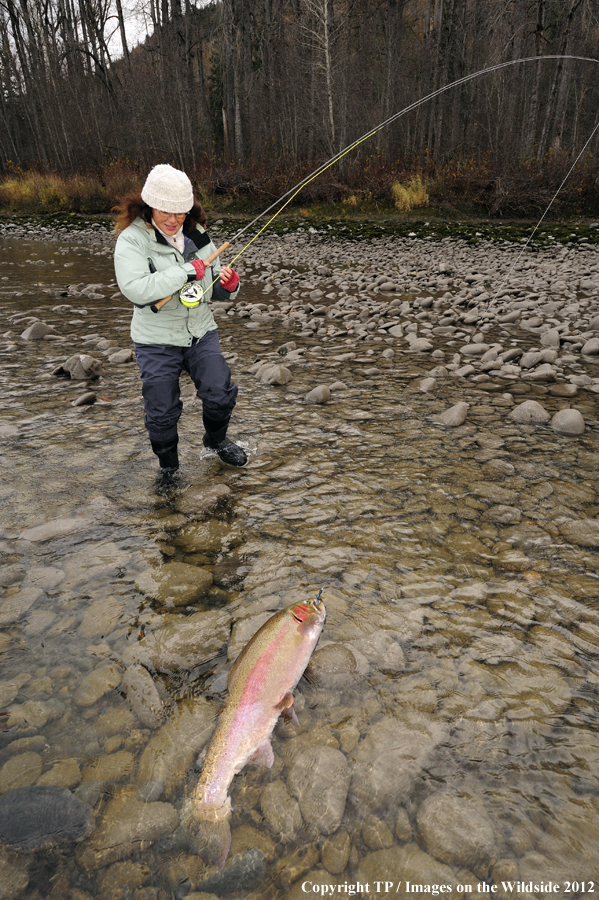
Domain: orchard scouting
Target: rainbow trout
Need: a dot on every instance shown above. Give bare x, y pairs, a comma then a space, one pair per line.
259, 690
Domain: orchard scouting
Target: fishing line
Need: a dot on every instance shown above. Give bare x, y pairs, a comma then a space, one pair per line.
294, 191
538, 225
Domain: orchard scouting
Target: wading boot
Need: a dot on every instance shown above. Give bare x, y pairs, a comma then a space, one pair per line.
168, 459
226, 450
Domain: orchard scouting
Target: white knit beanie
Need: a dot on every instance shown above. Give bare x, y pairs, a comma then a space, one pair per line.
168, 190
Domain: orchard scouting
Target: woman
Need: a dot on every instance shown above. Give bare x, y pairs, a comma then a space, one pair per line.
160, 247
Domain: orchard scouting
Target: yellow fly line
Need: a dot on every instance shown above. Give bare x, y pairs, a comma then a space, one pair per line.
303, 184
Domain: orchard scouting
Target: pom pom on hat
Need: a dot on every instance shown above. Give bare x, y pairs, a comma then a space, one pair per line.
168, 190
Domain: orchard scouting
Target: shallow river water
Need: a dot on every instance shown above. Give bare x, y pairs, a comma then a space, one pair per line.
449, 736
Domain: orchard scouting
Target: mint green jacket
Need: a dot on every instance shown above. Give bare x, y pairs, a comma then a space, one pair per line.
148, 270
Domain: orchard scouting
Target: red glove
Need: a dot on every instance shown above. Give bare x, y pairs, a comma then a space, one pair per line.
231, 283
199, 267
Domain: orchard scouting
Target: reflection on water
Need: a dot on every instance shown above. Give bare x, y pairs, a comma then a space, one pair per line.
449, 733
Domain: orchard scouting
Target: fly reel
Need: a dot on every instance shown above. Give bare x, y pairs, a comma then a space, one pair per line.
191, 295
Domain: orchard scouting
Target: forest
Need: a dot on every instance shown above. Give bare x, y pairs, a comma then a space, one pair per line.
249, 94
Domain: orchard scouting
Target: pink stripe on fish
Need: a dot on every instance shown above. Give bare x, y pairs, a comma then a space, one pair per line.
254, 683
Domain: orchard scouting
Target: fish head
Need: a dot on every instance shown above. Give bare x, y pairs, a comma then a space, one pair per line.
310, 615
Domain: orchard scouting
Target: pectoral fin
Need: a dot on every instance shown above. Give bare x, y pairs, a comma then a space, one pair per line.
263, 756
307, 626
286, 707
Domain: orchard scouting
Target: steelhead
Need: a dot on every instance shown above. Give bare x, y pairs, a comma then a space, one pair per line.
259, 690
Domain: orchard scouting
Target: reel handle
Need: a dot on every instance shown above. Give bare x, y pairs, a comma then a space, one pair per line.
156, 307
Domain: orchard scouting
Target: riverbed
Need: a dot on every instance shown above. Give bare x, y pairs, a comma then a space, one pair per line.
448, 722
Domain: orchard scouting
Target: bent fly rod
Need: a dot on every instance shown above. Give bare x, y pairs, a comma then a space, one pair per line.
292, 193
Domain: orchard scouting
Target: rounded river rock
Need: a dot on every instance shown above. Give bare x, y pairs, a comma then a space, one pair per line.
42, 817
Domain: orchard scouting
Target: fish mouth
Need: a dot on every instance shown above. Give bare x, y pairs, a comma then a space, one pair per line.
318, 603
319, 607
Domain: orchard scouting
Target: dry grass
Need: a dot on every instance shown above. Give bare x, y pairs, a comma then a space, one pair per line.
367, 185
47, 192
410, 195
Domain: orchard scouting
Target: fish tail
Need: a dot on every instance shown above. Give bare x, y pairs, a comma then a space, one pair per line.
214, 841
209, 830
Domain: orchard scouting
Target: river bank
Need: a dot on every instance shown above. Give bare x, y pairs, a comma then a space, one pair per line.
392, 463
329, 223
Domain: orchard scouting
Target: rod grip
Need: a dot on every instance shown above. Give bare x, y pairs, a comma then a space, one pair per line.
155, 307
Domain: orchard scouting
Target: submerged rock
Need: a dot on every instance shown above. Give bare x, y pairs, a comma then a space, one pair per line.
14, 874
20, 771
242, 872
142, 694
337, 666
97, 683
198, 502
42, 817
173, 749
281, 811
389, 760
9, 432
175, 584
376, 834
584, 532
335, 851
127, 825
55, 528
319, 778
181, 644
383, 651
15, 606
455, 831
414, 865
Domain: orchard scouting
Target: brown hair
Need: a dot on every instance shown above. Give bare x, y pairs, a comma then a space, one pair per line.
131, 207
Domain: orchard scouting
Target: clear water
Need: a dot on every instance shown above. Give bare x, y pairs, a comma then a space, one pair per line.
366, 496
